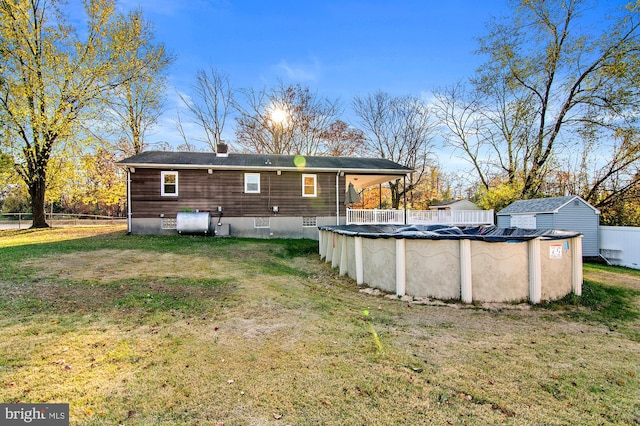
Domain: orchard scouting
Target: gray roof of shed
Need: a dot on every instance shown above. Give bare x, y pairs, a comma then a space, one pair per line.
263, 161
541, 205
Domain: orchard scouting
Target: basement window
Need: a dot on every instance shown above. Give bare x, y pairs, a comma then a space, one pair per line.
309, 221
261, 222
169, 187
168, 223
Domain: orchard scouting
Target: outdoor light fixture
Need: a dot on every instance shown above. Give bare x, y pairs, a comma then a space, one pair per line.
274, 209
210, 171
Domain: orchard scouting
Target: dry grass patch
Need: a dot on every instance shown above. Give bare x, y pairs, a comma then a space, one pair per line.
21, 237
108, 266
596, 273
182, 331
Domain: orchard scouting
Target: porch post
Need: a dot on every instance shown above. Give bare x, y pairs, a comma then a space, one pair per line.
404, 191
338, 198
129, 200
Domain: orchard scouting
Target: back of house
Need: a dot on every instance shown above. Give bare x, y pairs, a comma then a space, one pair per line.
245, 195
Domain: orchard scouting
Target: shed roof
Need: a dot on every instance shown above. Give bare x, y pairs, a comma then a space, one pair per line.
196, 160
452, 203
445, 203
542, 205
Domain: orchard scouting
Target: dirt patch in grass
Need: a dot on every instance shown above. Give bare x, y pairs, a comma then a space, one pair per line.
107, 266
131, 282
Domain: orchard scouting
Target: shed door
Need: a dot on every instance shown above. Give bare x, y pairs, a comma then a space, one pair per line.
526, 221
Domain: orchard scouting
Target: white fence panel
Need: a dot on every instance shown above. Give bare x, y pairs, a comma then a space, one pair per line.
451, 217
375, 216
620, 245
425, 217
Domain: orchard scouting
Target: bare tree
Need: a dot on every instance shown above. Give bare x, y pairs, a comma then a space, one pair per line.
549, 78
494, 137
554, 110
285, 120
210, 105
186, 146
459, 113
341, 139
612, 177
400, 129
137, 104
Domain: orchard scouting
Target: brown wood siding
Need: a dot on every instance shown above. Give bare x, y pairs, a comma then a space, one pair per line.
200, 190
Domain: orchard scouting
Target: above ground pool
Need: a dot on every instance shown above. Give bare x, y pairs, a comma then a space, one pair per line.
472, 264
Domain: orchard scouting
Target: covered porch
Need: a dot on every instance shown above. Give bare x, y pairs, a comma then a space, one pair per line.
365, 216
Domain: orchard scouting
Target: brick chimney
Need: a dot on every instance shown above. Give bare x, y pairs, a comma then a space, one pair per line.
222, 150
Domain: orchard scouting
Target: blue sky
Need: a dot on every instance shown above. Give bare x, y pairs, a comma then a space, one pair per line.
338, 48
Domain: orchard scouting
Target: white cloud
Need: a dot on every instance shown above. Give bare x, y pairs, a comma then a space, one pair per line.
301, 71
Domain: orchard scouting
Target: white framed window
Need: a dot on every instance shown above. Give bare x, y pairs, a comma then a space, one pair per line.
309, 185
169, 187
252, 183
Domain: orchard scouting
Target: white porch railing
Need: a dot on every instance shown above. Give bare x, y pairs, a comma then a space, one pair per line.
423, 217
375, 216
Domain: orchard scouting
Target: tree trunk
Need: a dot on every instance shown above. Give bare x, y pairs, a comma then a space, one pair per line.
395, 194
36, 191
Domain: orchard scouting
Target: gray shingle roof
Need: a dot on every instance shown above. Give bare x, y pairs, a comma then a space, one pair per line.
539, 205
263, 161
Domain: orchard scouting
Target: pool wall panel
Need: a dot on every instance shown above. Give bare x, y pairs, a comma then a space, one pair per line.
379, 257
499, 271
433, 269
556, 271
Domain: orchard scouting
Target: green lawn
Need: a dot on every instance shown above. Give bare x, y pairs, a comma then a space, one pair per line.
143, 330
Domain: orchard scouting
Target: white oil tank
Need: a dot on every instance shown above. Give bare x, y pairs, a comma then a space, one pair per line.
192, 222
